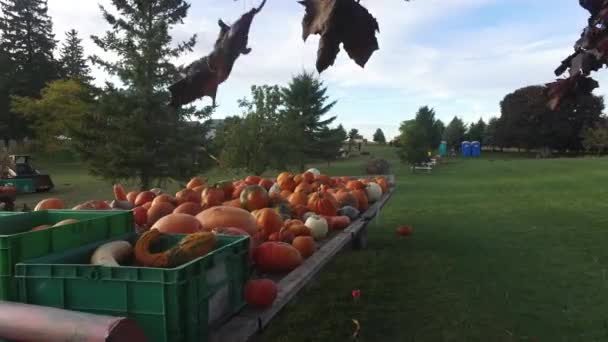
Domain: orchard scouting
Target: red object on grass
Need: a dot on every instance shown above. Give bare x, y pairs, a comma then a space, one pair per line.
405, 230
356, 294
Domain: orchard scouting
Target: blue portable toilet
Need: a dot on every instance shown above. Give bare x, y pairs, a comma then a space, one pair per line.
443, 149
475, 149
466, 149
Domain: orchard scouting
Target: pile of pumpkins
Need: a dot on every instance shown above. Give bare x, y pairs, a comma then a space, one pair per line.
285, 218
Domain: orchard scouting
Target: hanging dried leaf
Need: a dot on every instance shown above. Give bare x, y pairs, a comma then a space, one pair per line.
340, 22
203, 77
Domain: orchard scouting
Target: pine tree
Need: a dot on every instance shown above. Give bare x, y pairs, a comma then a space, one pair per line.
379, 137
73, 61
27, 44
455, 133
134, 133
333, 141
306, 103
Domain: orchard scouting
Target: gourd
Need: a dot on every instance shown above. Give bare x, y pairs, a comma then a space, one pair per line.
111, 254
349, 211
373, 191
318, 227
189, 248
314, 171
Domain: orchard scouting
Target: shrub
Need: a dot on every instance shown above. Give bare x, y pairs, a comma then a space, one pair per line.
377, 167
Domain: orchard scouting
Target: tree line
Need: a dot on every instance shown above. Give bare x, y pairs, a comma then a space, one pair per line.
128, 130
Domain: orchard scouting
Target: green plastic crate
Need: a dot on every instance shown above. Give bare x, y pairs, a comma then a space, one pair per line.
23, 185
17, 243
8, 213
177, 305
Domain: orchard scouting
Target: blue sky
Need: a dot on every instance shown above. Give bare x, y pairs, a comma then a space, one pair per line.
458, 56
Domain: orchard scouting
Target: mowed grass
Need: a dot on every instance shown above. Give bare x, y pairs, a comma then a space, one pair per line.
505, 249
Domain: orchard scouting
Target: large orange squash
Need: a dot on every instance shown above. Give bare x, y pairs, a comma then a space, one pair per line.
144, 197
196, 182
50, 203
276, 257
304, 187
299, 210
298, 198
131, 196
253, 180
323, 179
287, 183
254, 197
228, 188
224, 216
308, 177
323, 203
283, 175
383, 184
158, 211
119, 193
345, 197
187, 195
266, 183
189, 208
268, 220
261, 293
298, 179
355, 185
163, 198
362, 202
305, 245
177, 224
213, 196
236, 203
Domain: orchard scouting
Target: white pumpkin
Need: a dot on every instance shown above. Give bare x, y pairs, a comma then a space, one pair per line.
318, 226
374, 192
314, 171
274, 188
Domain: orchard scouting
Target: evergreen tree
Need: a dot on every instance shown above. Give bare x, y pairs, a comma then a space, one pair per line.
476, 131
379, 137
455, 133
333, 141
425, 117
73, 61
353, 135
27, 45
306, 104
134, 133
489, 135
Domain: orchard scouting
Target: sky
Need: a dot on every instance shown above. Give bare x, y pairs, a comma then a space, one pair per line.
460, 57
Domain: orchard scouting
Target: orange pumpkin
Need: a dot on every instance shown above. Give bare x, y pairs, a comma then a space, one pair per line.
200, 189
261, 293
383, 184
119, 193
345, 197
323, 203
298, 198
144, 197
131, 196
238, 189
337, 222
253, 180
50, 203
287, 183
196, 182
156, 212
304, 187
305, 245
236, 203
163, 198
292, 222
268, 220
147, 205
299, 230
299, 210
228, 188
286, 193
323, 179
254, 197
177, 224
189, 208
140, 216
224, 216
283, 175
355, 185
308, 177
277, 257
266, 183
187, 195
298, 179
362, 202
213, 196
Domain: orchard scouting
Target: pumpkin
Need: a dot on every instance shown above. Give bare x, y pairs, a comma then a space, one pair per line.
323, 203
286, 193
318, 226
292, 222
187, 195
190, 247
314, 171
50, 203
253, 180
238, 190
346, 198
405, 230
308, 177
157, 191
298, 179
284, 210
337, 222
88, 206
268, 220
228, 188
284, 175
177, 224
147, 205
254, 197
298, 198
65, 222
275, 188
307, 214
266, 183
196, 182
140, 216
284, 235
383, 184
299, 230
236, 203
352, 212
323, 179
119, 193
131, 196
373, 191
304, 187
361, 195
224, 216
213, 196
305, 245
261, 293
156, 212
144, 197
276, 257
189, 208
299, 210
163, 198
287, 184
355, 185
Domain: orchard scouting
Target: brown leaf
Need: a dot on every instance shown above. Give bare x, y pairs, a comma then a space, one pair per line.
340, 22
203, 77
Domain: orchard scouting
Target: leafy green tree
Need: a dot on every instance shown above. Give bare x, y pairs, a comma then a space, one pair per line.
61, 106
27, 44
379, 137
134, 134
596, 138
306, 105
353, 135
333, 141
476, 131
73, 61
425, 117
256, 142
414, 142
490, 137
455, 132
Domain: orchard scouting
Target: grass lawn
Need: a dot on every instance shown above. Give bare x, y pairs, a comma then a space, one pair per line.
504, 250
